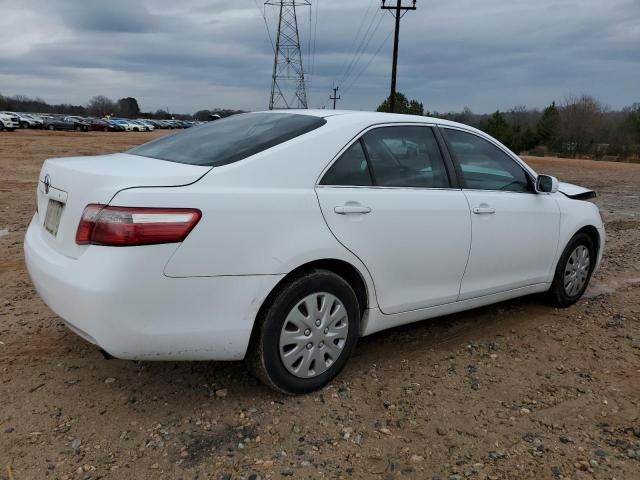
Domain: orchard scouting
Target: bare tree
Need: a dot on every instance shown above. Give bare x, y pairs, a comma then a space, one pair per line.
581, 121
100, 106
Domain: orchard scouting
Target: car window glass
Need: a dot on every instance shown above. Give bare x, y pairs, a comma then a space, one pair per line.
484, 166
231, 139
405, 156
350, 169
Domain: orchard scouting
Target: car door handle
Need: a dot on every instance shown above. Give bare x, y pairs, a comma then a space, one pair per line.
481, 210
346, 209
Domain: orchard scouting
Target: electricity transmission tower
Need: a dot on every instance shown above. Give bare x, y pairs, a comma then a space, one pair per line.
288, 88
398, 12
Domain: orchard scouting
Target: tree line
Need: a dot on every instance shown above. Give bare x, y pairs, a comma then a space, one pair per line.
578, 126
101, 106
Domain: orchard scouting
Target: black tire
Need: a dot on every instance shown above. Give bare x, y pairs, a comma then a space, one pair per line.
263, 357
557, 294
51, 128
1, 126
24, 125
105, 129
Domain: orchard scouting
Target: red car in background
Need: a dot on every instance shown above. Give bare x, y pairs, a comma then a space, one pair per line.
98, 124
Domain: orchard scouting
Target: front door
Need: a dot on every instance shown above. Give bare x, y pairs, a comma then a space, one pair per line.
514, 230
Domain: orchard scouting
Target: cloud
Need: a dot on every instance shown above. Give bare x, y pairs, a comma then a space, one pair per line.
207, 53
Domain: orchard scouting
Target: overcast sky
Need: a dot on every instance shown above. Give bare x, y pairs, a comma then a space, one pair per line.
193, 54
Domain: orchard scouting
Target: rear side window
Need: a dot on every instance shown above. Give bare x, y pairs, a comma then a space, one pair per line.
405, 156
350, 169
230, 139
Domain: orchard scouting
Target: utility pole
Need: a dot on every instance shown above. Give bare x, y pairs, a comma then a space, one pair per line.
399, 13
335, 97
288, 87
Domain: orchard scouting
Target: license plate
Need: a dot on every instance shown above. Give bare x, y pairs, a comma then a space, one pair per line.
52, 218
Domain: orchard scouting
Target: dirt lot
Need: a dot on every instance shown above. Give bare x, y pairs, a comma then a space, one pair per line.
517, 390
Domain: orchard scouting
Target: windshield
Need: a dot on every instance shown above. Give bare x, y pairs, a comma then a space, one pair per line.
230, 139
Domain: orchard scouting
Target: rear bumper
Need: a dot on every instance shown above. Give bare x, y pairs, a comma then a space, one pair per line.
119, 299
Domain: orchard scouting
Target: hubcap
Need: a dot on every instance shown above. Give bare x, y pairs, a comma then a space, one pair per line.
313, 335
576, 270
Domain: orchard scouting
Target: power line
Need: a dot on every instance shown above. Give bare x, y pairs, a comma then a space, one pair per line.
364, 43
315, 38
266, 24
357, 36
364, 69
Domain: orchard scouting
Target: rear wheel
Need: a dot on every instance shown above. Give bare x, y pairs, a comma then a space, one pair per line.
573, 271
24, 125
51, 128
306, 333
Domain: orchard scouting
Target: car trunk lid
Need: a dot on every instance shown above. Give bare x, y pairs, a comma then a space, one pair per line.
67, 185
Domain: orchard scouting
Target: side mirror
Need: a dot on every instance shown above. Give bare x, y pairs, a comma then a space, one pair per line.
547, 184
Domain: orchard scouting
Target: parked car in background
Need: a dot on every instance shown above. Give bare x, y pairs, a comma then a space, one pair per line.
32, 120
156, 123
115, 126
66, 123
122, 124
9, 122
98, 124
25, 120
150, 126
138, 126
390, 219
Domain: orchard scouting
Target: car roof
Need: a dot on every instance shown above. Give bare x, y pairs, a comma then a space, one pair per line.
372, 117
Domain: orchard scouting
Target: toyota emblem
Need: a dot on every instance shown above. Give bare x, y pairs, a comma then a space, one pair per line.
47, 183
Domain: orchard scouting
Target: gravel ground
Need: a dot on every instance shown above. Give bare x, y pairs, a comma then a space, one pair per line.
518, 390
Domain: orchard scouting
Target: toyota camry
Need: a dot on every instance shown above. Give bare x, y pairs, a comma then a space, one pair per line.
282, 237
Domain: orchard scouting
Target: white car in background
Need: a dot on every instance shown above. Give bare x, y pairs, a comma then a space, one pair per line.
150, 127
9, 121
138, 126
282, 237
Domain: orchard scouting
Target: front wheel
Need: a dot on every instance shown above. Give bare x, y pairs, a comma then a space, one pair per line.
51, 128
306, 333
574, 271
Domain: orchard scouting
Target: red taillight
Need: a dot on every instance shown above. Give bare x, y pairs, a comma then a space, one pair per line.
128, 226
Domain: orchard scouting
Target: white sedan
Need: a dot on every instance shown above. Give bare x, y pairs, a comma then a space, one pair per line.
282, 237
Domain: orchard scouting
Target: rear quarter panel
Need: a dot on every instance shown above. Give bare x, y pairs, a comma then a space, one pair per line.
260, 216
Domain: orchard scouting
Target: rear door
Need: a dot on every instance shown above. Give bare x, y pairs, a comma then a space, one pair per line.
514, 230
389, 199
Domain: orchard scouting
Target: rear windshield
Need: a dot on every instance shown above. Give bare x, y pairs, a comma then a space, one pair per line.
231, 139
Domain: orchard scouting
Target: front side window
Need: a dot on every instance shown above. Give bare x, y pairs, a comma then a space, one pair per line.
484, 166
405, 156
